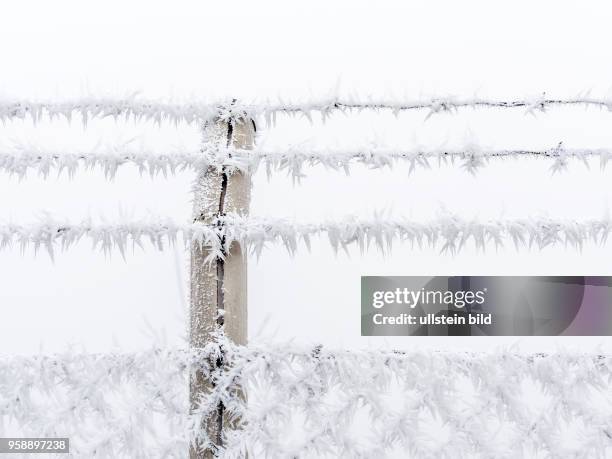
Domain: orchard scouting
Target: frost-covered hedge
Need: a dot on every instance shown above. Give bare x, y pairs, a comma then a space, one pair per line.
314, 402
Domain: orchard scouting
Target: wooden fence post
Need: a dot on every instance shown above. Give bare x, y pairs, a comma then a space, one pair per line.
218, 289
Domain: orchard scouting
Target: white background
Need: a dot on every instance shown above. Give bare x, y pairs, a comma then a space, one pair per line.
297, 50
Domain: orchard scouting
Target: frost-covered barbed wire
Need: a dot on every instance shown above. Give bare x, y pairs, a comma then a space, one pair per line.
194, 111
18, 160
448, 233
88, 108
293, 160
314, 402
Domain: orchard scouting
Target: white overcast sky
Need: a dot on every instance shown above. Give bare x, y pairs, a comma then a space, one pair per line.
296, 50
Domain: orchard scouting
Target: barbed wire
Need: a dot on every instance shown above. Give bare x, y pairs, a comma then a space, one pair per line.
138, 108
447, 233
18, 160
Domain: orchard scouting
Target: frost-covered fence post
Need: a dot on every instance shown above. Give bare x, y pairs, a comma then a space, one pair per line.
219, 288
